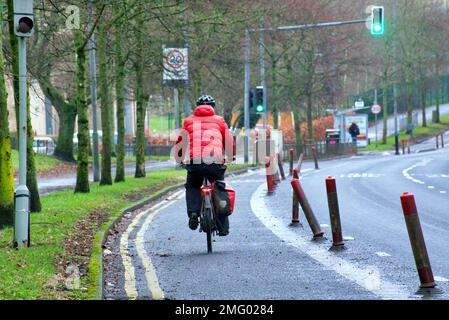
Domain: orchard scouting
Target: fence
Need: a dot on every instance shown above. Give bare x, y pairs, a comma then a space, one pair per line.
323, 150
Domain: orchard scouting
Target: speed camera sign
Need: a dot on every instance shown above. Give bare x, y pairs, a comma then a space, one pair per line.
175, 64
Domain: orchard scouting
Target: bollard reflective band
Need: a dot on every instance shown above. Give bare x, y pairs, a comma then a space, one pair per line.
295, 174
331, 185
408, 204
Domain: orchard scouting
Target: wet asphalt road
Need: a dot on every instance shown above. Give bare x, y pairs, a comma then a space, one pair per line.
264, 258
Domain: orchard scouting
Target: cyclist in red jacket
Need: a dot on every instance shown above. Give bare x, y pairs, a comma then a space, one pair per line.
211, 145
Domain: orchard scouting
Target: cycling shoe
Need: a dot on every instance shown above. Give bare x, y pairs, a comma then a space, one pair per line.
193, 221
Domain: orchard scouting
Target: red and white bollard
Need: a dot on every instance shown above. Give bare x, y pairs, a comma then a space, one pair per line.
334, 212
291, 155
311, 219
270, 176
281, 167
418, 244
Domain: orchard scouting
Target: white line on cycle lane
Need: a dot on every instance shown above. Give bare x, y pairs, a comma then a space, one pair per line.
365, 278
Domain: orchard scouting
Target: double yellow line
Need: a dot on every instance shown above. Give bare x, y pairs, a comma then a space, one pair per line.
130, 284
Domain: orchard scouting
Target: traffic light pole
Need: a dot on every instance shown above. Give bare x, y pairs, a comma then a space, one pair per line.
246, 101
264, 83
247, 54
22, 194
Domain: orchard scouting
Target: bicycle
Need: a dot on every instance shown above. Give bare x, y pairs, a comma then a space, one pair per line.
208, 218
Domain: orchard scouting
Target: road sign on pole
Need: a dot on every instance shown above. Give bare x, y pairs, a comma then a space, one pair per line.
376, 109
359, 104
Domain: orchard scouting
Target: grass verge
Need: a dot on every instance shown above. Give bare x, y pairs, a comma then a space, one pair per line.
419, 133
70, 231
43, 162
39, 272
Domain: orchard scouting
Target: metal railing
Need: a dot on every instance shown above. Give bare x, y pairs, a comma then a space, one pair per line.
323, 150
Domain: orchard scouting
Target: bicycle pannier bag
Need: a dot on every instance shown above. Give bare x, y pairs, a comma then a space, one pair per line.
224, 198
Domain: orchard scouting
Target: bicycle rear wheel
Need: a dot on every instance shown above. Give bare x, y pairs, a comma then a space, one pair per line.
208, 218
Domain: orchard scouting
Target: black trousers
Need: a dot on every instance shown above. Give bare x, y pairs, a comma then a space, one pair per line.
195, 178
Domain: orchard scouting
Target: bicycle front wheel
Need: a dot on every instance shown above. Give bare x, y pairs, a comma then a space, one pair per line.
208, 218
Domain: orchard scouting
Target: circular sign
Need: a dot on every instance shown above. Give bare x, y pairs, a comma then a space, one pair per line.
376, 109
175, 59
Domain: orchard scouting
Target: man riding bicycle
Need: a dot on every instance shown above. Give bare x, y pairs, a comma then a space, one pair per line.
211, 145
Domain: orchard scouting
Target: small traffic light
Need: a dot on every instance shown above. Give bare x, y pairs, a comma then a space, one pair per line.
377, 21
258, 99
23, 18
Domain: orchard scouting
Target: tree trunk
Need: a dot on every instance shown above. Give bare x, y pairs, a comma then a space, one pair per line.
437, 120
82, 170
274, 94
6, 173
67, 119
310, 138
106, 110
35, 204
423, 104
35, 201
140, 106
409, 88
120, 93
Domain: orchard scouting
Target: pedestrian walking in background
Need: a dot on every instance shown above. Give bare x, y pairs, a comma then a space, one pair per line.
354, 131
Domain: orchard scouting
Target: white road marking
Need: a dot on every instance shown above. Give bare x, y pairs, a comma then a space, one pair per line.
443, 192
362, 175
383, 254
431, 187
348, 238
368, 278
130, 285
408, 176
324, 225
440, 279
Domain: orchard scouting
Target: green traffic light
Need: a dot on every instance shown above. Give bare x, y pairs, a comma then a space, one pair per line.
377, 20
259, 108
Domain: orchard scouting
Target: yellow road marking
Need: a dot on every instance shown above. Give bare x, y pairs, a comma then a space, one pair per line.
130, 285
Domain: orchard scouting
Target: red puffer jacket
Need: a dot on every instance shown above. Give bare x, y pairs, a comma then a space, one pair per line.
208, 136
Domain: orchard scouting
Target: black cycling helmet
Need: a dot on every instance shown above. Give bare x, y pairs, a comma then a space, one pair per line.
206, 100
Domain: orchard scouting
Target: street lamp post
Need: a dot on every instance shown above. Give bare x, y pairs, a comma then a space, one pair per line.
93, 90
23, 23
395, 93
